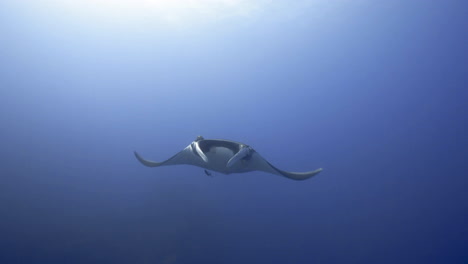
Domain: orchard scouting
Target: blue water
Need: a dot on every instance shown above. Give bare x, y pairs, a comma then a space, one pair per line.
373, 92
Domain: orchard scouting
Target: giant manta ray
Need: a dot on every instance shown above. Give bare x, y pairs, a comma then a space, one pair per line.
225, 156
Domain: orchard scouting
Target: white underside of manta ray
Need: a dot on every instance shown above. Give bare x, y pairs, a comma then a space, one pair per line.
226, 157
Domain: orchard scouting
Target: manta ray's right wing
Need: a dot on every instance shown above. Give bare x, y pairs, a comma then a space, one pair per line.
148, 163
186, 156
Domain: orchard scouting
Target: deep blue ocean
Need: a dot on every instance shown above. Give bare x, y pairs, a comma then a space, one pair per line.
373, 92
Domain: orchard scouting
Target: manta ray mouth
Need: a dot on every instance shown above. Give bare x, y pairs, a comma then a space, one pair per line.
207, 145
219, 153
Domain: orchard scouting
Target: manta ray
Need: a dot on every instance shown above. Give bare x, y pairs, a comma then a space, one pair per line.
226, 157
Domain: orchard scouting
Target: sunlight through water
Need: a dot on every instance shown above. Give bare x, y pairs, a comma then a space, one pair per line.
172, 12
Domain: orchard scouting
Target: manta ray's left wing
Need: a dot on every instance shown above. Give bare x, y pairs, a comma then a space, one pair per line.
260, 164
186, 156
297, 175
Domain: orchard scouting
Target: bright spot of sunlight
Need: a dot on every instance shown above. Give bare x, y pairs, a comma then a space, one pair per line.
166, 11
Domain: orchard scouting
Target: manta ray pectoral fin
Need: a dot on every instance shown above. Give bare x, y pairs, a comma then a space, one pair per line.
263, 165
298, 175
186, 156
244, 151
147, 163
